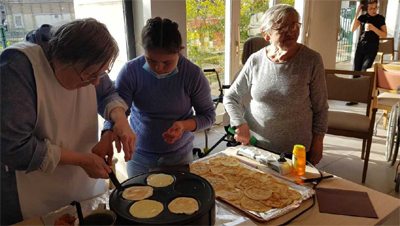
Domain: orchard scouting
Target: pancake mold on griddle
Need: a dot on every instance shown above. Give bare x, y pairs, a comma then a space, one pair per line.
185, 184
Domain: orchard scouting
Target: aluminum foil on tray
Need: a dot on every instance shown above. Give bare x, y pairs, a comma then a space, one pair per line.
260, 195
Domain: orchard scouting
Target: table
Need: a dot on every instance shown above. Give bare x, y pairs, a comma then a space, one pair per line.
386, 207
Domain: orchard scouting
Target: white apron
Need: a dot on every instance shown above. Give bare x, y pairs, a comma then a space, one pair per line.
67, 118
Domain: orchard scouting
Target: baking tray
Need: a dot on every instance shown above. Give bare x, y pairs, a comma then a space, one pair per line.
185, 185
306, 193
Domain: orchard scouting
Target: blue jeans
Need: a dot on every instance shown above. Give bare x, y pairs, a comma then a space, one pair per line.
140, 163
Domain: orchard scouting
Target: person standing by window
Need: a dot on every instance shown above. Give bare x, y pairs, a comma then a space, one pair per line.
373, 27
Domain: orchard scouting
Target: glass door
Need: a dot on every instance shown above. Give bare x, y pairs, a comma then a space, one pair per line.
345, 35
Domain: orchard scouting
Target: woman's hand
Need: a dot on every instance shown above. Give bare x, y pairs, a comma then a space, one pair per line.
174, 133
359, 8
124, 135
94, 166
369, 27
242, 134
104, 148
316, 149
125, 138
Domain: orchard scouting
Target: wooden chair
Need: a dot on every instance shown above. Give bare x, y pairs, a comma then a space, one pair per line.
349, 124
386, 47
252, 45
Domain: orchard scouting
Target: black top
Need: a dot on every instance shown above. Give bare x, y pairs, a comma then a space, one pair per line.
369, 40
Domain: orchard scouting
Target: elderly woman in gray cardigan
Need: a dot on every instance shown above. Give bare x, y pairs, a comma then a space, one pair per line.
288, 92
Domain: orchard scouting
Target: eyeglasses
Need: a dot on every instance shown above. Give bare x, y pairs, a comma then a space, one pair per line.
90, 77
287, 27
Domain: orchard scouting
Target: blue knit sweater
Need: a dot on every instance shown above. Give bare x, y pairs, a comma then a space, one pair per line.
155, 104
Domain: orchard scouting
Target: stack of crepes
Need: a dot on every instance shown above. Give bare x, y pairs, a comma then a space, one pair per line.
242, 187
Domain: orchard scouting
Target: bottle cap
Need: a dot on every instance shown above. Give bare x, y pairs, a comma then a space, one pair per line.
297, 148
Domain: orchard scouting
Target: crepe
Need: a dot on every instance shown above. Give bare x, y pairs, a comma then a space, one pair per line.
225, 161
146, 208
136, 193
199, 168
183, 205
256, 193
253, 205
217, 181
231, 194
160, 180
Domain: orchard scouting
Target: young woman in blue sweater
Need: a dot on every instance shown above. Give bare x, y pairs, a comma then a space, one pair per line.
168, 98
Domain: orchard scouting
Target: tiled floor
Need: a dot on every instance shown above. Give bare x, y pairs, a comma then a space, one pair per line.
341, 156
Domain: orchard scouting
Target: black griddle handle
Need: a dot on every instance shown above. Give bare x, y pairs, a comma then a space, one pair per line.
114, 179
78, 211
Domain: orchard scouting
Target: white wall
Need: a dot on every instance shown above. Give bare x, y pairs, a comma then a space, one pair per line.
174, 10
393, 23
321, 24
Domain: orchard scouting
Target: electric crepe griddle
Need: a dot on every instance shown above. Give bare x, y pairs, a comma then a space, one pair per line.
185, 184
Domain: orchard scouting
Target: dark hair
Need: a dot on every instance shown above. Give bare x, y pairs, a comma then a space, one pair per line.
365, 3
161, 34
40, 36
84, 42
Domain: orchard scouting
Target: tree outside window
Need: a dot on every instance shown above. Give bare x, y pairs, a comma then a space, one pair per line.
205, 28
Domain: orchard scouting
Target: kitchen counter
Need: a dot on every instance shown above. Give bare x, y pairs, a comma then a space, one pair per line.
386, 207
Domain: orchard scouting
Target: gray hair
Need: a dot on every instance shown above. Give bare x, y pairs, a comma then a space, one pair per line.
275, 16
84, 42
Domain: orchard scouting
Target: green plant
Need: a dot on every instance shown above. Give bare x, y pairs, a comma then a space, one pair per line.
205, 29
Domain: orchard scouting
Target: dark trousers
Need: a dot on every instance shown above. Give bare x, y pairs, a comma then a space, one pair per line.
363, 60
10, 208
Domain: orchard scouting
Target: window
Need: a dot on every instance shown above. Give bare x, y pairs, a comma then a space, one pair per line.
251, 12
205, 36
20, 17
206, 31
18, 21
